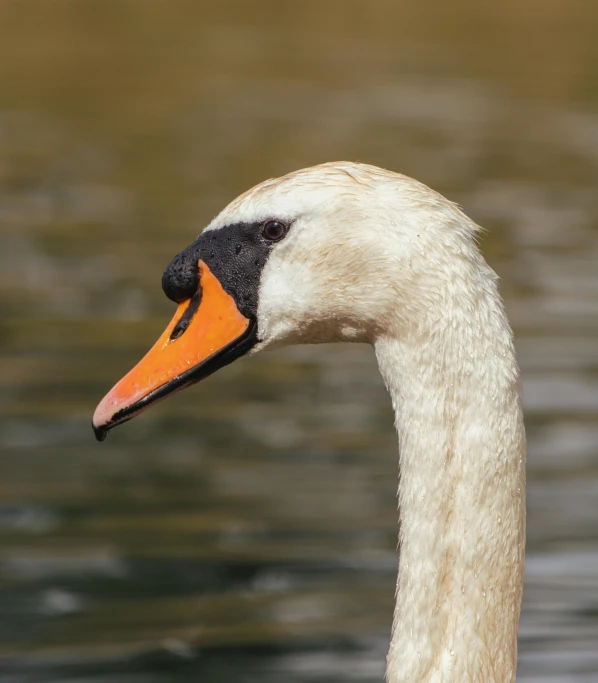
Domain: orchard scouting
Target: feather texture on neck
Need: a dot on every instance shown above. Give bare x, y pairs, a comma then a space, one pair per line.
455, 390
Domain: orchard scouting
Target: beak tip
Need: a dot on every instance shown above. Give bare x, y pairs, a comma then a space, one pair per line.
100, 432
101, 421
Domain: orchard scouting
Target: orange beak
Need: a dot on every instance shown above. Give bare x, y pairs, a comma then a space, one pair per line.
207, 332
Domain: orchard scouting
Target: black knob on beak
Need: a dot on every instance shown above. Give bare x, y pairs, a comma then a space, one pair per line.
181, 277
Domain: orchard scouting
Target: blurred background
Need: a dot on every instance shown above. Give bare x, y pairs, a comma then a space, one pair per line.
245, 530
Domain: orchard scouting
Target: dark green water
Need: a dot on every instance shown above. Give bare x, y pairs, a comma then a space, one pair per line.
245, 530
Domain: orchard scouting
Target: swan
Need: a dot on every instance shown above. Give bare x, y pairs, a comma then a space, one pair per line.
350, 252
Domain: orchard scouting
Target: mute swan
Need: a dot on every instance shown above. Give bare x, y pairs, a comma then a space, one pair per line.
350, 252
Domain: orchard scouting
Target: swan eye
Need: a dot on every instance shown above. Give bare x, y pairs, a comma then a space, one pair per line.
274, 230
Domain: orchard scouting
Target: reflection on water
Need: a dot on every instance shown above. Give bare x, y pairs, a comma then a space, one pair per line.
245, 530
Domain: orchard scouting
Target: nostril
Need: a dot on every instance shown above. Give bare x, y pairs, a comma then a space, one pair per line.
185, 320
178, 330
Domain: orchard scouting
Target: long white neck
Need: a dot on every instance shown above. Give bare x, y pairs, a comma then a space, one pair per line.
454, 384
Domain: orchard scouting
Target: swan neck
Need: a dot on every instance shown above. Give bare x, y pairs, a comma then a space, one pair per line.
455, 391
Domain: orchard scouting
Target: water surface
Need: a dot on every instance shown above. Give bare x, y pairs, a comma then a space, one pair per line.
245, 530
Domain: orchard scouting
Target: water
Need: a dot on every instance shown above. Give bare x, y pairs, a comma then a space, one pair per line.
245, 530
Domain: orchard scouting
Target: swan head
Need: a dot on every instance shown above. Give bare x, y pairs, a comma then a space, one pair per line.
336, 252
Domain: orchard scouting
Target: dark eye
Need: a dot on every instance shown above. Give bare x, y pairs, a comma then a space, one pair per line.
274, 230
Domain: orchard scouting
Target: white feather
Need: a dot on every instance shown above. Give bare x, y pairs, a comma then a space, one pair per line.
374, 256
